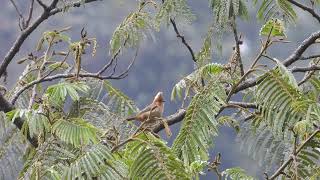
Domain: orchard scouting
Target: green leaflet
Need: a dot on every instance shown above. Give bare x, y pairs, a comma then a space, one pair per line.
276, 9
174, 9
97, 161
118, 101
192, 80
151, 158
199, 124
57, 93
236, 173
275, 28
35, 123
281, 103
75, 131
131, 31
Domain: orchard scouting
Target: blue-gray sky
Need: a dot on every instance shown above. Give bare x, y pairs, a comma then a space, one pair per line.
162, 60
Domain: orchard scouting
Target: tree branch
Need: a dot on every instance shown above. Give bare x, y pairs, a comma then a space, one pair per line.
62, 76
309, 57
29, 14
49, 11
305, 69
291, 59
302, 48
183, 40
42, 4
242, 104
238, 42
172, 119
305, 8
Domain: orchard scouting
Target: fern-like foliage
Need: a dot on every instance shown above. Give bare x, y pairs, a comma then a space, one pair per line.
174, 9
307, 162
150, 158
236, 173
281, 102
96, 162
224, 10
75, 131
263, 146
204, 55
131, 31
200, 124
276, 9
105, 107
57, 93
118, 102
193, 80
48, 161
274, 28
35, 122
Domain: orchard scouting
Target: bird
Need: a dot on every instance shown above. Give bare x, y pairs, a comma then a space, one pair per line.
152, 112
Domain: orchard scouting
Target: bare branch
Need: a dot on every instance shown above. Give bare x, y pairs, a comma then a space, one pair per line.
49, 11
305, 69
306, 8
172, 119
309, 57
183, 40
17, 9
42, 4
238, 42
125, 73
60, 76
243, 104
27, 22
302, 48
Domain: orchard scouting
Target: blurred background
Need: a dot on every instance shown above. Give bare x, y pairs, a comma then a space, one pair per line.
162, 60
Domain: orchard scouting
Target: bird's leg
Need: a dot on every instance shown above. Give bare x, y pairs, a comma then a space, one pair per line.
166, 126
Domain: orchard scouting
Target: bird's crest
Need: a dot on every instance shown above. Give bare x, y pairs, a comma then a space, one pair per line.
159, 97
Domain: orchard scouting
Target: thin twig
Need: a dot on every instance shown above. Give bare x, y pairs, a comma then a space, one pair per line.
238, 42
242, 104
125, 73
29, 14
306, 78
44, 6
61, 76
45, 59
132, 136
183, 40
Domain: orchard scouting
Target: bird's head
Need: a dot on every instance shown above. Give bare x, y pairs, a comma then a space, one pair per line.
159, 98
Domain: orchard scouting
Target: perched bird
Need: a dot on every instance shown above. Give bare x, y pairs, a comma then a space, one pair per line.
152, 112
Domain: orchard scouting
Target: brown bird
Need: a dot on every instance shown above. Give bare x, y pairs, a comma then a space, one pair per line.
153, 113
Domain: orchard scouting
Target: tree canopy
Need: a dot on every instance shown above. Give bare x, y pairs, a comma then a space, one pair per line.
62, 121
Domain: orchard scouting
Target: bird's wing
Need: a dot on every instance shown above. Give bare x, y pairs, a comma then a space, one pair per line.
146, 109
